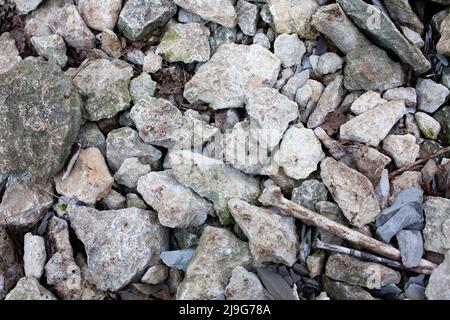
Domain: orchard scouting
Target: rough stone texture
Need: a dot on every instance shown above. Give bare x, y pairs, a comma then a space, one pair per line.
437, 224
300, 152
214, 180
26, 6
124, 143
370, 68
152, 63
113, 200
272, 236
352, 191
28, 288
89, 181
10, 269
439, 284
178, 259
69, 25
443, 117
110, 43
309, 193
373, 126
248, 15
53, 48
38, 23
314, 263
353, 271
39, 122
244, 285
142, 87
186, 43
219, 11
428, 125
307, 97
218, 253
367, 101
34, 256
159, 189
104, 84
406, 180
24, 202
9, 55
289, 49
334, 23
332, 211
401, 12
219, 83
295, 82
406, 94
293, 16
156, 120
139, 18
430, 95
91, 136
384, 31
119, 244
442, 46
100, 15
402, 148
405, 217
410, 244
130, 171
155, 275
329, 63
341, 291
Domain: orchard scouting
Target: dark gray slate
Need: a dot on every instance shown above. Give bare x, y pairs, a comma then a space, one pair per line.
410, 243
405, 217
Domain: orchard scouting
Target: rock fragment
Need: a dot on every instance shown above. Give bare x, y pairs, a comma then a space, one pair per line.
248, 15
402, 148
430, 95
26, 6
155, 275
29, 288
439, 284
100, 15
341, 291
10, 268
367, 101
428, 125
309, 193
289, 49
244, 285
437, 224
410, 243
221, 12
142, 87
178, 259
406, 94
405, 217
53, 48
34, 256
130, 171
9, 55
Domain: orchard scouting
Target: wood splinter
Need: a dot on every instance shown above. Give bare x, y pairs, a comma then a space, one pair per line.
272, 196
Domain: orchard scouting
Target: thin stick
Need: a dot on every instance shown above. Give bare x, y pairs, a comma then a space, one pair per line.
318, 244
419, 162
272, 196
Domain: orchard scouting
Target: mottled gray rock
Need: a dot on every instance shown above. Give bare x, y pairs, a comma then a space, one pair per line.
402, 148
410, 244
139, 18
113, 200
42, 119
248, 15
89, 181
332, 211
34, 256
186, 43
220, 84
309, 193
272, 236
178, 259
413, 37
401, 12
24, 202
218, 253
214, 180
91, 136
155, 275
221, 35
152, 63
384, 31
442, 46
352, 191
328, 63
437, 224
130, 171
9, 55
406, 94
374, 125
104, 84
29, 288
439, 284
294, 83
289, 49
119, 244
110, 43
244, 285
26, 6
160, 188
403, 218
338, 290
443, 117
315, 263
100, 15
428, 125
353, 271
134, 201
408, 179
142, 87
39, 22
52, 47
10, 268
370, 68
188, 17
219, 11
261, 39
367, 101
430, 95
307, 97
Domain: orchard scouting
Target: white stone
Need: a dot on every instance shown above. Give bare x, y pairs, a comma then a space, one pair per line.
155, 275
130, 171
9, 55
307, 98
34, 256
367, 101
402, 148
219, 11
430, 95
289, 49
328, 63
26, 6
152, 63
142, 87
406, 94
248, 15
244, 286
428, 125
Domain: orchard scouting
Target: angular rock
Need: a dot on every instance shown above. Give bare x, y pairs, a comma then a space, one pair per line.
110, 43
9, 55
443, 117
42, 119
130, 171
309, 193
248, 15
403, 218
10, 268
186, 43
430, 95
272, 236
160, 188
374, 125
295, 82
276, 285
178, 259
244, 285
29, 288
155, 275
113, 200
210, 270
332, 211
402, 148
413, 37
220, 84
139, 18
104, 84
91, 136
406, 94
437, 224
39, 22
118, 254
408, 179
367, 101
152, 63
442, 46
218, 11
100, 15
401, 12
289, 49
142, 87
428, 125
214, 180
262, 40
134, 201
307, 98
410, 243
26, 6
353, 271
341, 291
89, 181
53, 48
315, 262
124, 143
329, 63
34, 256
439, 284
352, 191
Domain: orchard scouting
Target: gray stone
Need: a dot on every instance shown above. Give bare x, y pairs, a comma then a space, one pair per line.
442, 46
160, 188
104, 84
276, 285
353, 271
338, 290
100, 15
439, 284
315, 263
218, 253
370, 68
29, 288
362, 206
289, 49
408, 179
367, 101
142, 87
244, 285
9, 55
152, 63
124, 143
134, 201
373, 125
26, 6
437, 224
34, 256
402, 148
120, 244
428, 125
415, 292
43, 118
218, 11
221, 35
155, 275
403, 218
413, 37
294, 83
248, 15
220, 84
186, 43
309, 193
91, 136
430, 95
214, 180
410, 243
331, 211
272, 236
110, 43
178, 259
139, 18
307, 98
328, 63
39, 22
261, 39
443, 117
113, 200
406, 94
130, 171
10, 268
188, 17
401, 12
